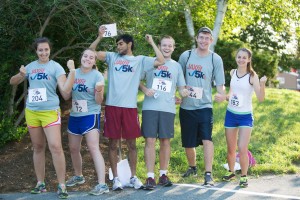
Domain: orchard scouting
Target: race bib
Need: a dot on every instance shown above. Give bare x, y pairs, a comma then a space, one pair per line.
195, 92
236, 100
110, 30
161, 85
37, 95
79, 106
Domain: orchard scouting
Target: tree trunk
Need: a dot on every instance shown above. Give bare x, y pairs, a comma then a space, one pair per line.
189, 24
12, 100
222, 7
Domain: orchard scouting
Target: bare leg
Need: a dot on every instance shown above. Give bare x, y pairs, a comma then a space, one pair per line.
150, 154
244, 139
164, 153
231, 139
208, 148
75, 146
92, 139
131, 144
191, 156
113, 155
53, 135
38, 140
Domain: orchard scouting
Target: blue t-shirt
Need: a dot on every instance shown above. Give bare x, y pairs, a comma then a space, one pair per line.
43, 78
168, 74
124, 74
83, 93
199, 72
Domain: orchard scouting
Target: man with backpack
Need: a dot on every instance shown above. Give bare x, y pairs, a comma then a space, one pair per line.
200, 67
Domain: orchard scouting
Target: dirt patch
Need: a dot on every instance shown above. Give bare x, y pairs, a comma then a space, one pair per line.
16, 164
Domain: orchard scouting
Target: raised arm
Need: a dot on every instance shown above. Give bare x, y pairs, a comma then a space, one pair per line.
19, 77
160, 60
259, 87
100, 54
65, 84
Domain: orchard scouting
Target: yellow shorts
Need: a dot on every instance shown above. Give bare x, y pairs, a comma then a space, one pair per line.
42, 118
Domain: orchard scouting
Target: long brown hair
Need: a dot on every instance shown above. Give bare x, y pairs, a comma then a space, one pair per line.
249, 64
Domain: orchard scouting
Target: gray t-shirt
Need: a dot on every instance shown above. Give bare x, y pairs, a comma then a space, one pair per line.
198, 73
42, 85
83, 93
168, 75
124, 74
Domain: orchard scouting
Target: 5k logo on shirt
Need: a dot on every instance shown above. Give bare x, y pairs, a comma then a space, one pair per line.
163, 74
124, 68
39, 76
197, 74
80, 88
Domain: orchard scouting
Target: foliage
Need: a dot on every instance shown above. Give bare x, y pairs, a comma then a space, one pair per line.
277, 123
9, 132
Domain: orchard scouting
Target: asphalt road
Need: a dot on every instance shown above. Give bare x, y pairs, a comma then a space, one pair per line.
267, 187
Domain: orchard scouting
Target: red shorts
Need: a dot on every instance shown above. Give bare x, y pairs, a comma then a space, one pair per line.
121, 123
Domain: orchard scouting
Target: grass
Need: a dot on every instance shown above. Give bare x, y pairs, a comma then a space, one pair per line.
275, 140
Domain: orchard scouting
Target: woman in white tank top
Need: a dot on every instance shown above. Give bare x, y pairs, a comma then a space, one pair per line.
239, 117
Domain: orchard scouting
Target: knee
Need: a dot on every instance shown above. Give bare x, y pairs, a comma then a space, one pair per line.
93, 148
56, 148
150, 142
131, 146
113, 147
74, 149
38, 148
243, 150
164, 142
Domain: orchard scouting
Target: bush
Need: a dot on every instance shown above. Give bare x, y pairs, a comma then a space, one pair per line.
8, 132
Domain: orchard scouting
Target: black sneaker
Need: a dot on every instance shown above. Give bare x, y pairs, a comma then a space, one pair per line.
164, 181
150, 184
190, 172
228, 176
208, 181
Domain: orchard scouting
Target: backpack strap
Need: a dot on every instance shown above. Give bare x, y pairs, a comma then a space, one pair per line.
190, 51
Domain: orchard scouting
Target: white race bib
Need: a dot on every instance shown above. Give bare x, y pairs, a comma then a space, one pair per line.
195, 92
111, 30
161, 85
37, 95
79, 106
236, 100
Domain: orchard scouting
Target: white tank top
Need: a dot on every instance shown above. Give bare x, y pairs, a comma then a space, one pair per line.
240, 100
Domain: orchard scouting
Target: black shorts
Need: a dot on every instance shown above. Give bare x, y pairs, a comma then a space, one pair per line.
157, 124
196, 125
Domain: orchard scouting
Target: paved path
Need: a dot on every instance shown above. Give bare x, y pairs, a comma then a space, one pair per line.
267, 187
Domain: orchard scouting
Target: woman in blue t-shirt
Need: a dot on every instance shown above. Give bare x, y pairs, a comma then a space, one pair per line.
87, 96
42, 111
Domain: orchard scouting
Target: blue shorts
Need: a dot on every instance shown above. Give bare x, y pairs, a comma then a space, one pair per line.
196, 125
83, 124
233, 120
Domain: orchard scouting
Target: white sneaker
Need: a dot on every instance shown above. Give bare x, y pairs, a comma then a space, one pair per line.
136, 183
117, 185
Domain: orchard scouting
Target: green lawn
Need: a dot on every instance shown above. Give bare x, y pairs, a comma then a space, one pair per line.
275, 141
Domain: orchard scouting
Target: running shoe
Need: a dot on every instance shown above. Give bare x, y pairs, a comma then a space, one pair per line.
39, 188
228, 176
101, 188
208, 181
75, 180
244, 181
135, 183
190, 172
165, 181
62, 192
150, 184
117, 185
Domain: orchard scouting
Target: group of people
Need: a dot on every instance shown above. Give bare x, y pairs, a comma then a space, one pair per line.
192, 75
